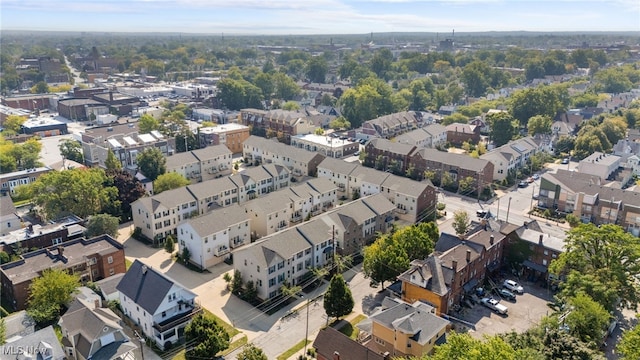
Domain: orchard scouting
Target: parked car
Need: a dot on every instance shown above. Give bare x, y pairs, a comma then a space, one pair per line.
506, 294
523, 184
481, 213
536, 176
513, 286
494, 305
565, 161
530, 179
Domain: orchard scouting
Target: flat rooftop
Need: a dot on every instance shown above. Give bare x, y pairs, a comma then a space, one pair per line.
222, 128
323, 140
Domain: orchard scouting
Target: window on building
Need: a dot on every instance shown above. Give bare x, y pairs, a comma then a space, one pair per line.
110, 259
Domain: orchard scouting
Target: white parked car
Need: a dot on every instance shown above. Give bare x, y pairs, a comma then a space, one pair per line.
513, 286
494, 305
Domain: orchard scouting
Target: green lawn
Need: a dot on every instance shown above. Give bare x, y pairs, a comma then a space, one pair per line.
127, 263
230, 329
297, 347
234, 345
350, 328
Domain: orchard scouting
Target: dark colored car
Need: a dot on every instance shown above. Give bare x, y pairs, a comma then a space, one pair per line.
506, 294
523, 184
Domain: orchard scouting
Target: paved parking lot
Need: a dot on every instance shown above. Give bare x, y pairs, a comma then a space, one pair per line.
526, 312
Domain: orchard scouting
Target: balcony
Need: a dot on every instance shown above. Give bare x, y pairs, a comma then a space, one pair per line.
172, 322
296, 218
400, 211
223, 250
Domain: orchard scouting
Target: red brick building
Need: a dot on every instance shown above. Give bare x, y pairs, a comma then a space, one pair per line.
91, 259
459, 133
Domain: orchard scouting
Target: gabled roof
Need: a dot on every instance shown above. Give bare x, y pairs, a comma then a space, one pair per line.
45, 340
369, 175
338, 166
145, 286
168, 199
330, 341
429, 271
180, 159
108, 285
392, 147
211, 152
405, 186
460, 160
205, 189
217, 220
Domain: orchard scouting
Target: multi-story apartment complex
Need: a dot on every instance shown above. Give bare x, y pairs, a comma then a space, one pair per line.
389, 126
282, 123
202, 164
512, 156
429, 136
388, 156
91, 259
126, 143
10, 181
231, 135
301, 162
325, 145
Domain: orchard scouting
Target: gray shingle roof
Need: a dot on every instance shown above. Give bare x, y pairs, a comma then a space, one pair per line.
405, 186
392, 147
211, 187
145, 286
168, 199
42, 339
218, 220
180, 159
460, 160
337, 166
211, 152
108, 285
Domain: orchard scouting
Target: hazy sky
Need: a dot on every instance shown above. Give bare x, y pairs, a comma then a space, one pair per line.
319, 16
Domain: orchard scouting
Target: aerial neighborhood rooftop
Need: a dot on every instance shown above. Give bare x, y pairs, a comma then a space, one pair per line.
381, 197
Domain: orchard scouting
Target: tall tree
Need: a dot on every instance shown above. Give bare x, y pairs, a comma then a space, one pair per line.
169, 181
169, 245
461, 222
463, 346
539, 124
76, 191
71, 150
543, 100
587, 320
338, 300
384, 260
12, 124
129, 189
503, 128
148, 123
152, 163
102, 224
607, 252
316, 69
111, 162
208, 337
49, 292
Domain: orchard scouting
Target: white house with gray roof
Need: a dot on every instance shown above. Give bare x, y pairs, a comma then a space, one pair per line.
512, 156
211, 237
160, 306
157, 216
41, 345
301, 162
203, 164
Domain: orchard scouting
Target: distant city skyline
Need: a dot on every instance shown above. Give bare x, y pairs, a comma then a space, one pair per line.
271, 17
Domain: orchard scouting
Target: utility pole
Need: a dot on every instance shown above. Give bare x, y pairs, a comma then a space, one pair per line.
533, 193
508, 208
141, 340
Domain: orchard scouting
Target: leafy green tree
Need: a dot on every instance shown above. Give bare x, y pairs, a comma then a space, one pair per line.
169, 181
539, 124
102, 224
338, 300
152, 163
265, 83
49, 293
461, 222
340, 123
609, 254
614, 128
614, 80
383, 261
455, 118
209, 338
463, 346
147, 124
40, 87
291, 106
418, 240
3, 332
129, 189
316, 69
465, 185
285, 87
503, 128
237, 283
543, 100
12, 124
629, 345
72, 150
77, 191
587, 320
111, 162
251, 352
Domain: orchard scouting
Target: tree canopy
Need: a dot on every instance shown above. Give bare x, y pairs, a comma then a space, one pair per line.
338, 300
461, 222
600, 261
152, 163
49, 292
77, 191
545, 100
629, 345
102, 224
251, 352
208, 337
503, 128
169, 181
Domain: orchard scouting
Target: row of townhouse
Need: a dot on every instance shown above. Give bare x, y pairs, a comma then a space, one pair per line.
586, 197
429, 136
286, 257
211, 237
159, 215
202, 164
512, 156
287, 123
389, 126
413, 161
301, 162
414, 200
9, 182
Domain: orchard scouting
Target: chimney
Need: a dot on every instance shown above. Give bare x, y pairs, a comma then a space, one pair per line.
144, 269
468, 255
540, 240
454, 265
526, 225
110, 96
336, 355
61, 253
491, 239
